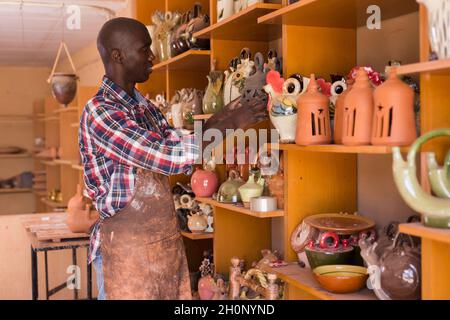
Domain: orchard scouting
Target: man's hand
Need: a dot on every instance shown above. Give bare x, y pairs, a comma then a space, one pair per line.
238, 116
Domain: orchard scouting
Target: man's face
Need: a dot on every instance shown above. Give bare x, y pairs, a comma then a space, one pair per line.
138, 57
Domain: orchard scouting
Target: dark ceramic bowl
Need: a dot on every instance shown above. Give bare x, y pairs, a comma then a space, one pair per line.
341, 278
319, 257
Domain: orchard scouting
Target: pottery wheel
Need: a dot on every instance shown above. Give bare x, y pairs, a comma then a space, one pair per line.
340, 223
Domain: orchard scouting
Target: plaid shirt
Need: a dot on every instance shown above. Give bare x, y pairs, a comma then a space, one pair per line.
116, 138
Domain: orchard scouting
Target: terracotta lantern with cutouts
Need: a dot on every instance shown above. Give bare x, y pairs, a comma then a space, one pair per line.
313, 125
394, 120
339, 115
358, 112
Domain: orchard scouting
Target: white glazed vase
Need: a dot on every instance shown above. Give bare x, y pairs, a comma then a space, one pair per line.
286, 127
225, 9
438, 26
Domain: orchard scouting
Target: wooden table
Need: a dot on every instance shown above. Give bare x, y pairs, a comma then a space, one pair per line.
49, 232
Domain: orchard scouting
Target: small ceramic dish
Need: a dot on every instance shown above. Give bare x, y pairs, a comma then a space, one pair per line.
263, 204
341, 278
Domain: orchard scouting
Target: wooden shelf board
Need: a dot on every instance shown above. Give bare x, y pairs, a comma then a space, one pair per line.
67, 162
440, 67
52, 203
15, 118
336, 13
197, 236
303, 279
64, 110
202, 116
75, 125
77, 167
336, 148
7, 191
51, 119
243, 25
40, 193
419, 230
50, 163
15, 156
241, 209
190, 60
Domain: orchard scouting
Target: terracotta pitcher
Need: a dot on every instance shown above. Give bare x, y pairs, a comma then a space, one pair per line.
394, 120
358, 111
79, 217
339, 115
313, 125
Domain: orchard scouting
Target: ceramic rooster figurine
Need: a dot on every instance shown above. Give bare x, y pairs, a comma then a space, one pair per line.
80, 217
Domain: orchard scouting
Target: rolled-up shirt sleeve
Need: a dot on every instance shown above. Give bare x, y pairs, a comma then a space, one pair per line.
121, 139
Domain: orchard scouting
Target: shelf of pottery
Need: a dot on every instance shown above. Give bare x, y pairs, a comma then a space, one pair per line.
57, 161
15, 163
325, 123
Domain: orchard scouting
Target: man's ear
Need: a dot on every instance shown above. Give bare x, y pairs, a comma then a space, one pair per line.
116, 56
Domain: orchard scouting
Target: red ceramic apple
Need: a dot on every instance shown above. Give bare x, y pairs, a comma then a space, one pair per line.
204, 183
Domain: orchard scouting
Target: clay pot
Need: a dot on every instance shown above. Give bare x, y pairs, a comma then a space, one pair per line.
80, 218
394, 119
400, 271
206, 288
204, 183
276, 188
319, 257
339, 115
313, 125
197, 223
358, 111
64, 87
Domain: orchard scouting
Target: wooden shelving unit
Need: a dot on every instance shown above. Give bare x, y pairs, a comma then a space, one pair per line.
437, 67
243, 25
311, 36
240, 209
335, 13
202, 116
52, 204
189, 60
14, 119
64, 110
336, 148
15, 156
197, 236
303, 279
9, 191
420, 230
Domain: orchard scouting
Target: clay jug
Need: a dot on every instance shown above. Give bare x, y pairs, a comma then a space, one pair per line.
358, 111
253, 188
79, 218
197, 222
204, 183
213, 99
313, 125
339, 115
206, 287
394, 120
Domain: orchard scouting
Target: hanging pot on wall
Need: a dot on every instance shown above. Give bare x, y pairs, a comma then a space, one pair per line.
64, 85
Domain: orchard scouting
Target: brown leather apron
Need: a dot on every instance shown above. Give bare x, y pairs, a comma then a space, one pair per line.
142, 249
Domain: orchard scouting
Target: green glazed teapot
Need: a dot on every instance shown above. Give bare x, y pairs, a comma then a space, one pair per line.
435, 210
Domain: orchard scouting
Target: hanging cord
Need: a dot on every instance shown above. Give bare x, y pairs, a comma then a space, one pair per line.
21, 21
61, 46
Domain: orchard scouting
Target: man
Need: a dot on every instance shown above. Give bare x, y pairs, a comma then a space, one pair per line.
128, 150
